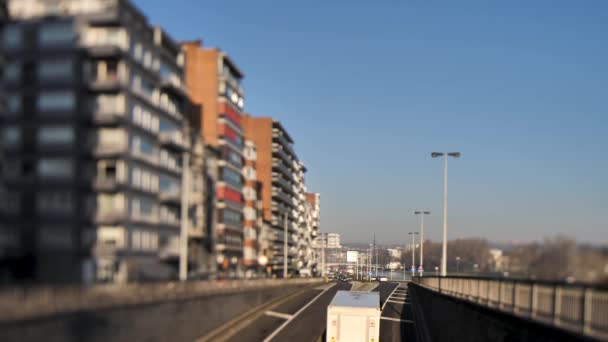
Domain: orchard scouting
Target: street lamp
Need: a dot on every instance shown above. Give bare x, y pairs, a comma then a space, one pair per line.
421, 213
457, 264
413, 234
444, 247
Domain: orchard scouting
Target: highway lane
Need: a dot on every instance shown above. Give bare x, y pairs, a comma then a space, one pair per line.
397, 320
308, 325
302, 317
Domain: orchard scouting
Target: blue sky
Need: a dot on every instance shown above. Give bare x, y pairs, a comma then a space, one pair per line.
369, 88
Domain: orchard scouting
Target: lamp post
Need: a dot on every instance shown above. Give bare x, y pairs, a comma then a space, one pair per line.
444, 247
285, 248
457, 264
421, 213
413, 234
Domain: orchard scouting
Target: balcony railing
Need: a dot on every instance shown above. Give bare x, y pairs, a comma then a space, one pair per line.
579, 308
280, 166
172, 194
174, 139
108, 148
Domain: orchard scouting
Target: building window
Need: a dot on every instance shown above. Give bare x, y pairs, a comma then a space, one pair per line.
56, 33
167, 184
232, 217
11, 135
12, 72
56, 100
143, 145
143, 208
55, 168
169, 215
144, 87
55, 237
169, 160
56, 135
108, 170
232, 177
56, 69
55, 202
233, 157
13, 36
13, 103
144, 240
145, 118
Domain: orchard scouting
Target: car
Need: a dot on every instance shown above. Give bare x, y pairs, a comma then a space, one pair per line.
384, 279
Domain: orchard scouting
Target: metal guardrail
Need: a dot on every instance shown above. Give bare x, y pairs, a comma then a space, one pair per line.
579, 308
29, 302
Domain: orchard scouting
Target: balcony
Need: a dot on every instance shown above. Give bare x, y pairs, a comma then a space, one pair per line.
174, 84
174, 140
101, 216
277, 179
108, 75
170, 250
171, 195
279, 138
282, 196
279, 166
102, 41
107, 109
107, 148
278, 151
106, 184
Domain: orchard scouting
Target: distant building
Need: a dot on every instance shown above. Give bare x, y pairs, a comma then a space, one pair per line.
394, 253
278, 170
333, 240
214, 82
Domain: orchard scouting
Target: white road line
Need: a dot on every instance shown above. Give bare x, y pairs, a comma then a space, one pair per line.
274, 333
383, 305
277, 314
394, 301
397, 320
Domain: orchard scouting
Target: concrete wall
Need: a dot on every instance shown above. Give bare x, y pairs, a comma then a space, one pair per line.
179, 319
443, 318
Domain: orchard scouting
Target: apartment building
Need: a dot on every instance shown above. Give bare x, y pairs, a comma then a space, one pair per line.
96, 136
333, 241
214, 82
252, 212
277, 168
313, 201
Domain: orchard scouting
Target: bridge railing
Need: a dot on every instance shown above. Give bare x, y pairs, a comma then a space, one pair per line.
576, 307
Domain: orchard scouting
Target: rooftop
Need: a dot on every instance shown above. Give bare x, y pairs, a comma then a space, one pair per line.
359, 299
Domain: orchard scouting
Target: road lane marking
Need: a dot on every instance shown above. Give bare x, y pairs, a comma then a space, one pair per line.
277, 314
395, 289
394, 301
276, 332
397, 320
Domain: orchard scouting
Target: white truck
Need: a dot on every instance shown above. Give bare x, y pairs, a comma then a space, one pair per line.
354, 316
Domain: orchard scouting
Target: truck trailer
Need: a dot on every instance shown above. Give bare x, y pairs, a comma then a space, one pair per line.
354, 316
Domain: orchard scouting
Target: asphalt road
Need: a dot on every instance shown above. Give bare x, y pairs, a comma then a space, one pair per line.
302, 325
302, 317
397, 320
